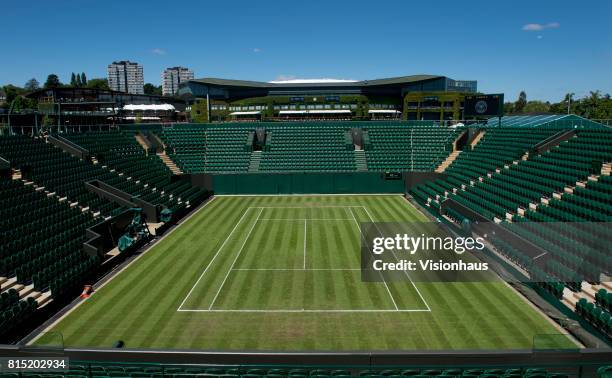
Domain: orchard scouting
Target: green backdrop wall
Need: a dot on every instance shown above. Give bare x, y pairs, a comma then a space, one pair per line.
306, 183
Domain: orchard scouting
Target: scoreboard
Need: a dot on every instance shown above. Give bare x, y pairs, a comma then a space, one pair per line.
483, 105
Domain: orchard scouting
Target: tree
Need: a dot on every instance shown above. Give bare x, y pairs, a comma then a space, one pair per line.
22, 103
594, 106
72, 80
32, 85
519, 105
536, 107
98, 83
11, 92
83, 79
151, 89
53, 81
78, 80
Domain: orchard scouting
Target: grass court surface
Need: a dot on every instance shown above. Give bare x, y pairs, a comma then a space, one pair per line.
282, 273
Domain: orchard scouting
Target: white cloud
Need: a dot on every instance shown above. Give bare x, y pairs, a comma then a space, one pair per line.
158, 51
283, 77
539, 37
540, 27
256, 50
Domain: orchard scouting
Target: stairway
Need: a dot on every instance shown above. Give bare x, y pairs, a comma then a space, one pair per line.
254, 162
544, 200
587, 291
141, 141
606, 168
477, 138
16, 174
169, 163
448, 161
360, 161
25, 291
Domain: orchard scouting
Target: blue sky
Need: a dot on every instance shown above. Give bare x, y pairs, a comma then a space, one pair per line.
547, 48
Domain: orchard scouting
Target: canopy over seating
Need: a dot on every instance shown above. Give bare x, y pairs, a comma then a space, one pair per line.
254, 112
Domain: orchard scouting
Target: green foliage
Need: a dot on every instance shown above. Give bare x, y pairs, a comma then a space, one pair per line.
199, 111
47, 121
594, 106
32, 85
12, 92
151, 89
22, 103
519, 105
78, 80
98, 83
536, 107
53, 81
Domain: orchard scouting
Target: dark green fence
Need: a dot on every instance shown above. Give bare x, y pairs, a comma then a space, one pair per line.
306, 183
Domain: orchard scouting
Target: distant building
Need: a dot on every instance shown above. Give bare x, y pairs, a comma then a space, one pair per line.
89, 106
126, 76
414, 97
173, 77
2, 95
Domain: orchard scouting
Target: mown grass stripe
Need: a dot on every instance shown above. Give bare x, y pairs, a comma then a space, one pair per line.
139, 305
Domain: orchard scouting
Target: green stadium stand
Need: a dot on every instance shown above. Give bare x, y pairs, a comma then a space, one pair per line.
226, 149
158, 370
186, 147
497, 148
392, 147
319, 147
14, 312
543, 198
597, 314
40, 246
142, 175
42, 163
44, 215
196, 149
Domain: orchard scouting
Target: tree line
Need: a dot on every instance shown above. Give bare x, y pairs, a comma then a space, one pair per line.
594, 106
77, 80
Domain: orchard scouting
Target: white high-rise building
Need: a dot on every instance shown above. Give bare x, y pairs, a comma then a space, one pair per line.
126, 76
172, 77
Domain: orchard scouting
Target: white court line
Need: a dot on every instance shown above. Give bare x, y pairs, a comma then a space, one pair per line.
235, 259
315, 195
381, 275
304, 207
180, 309
213, 259
294, 269
305, 221
305, 310
405, 272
